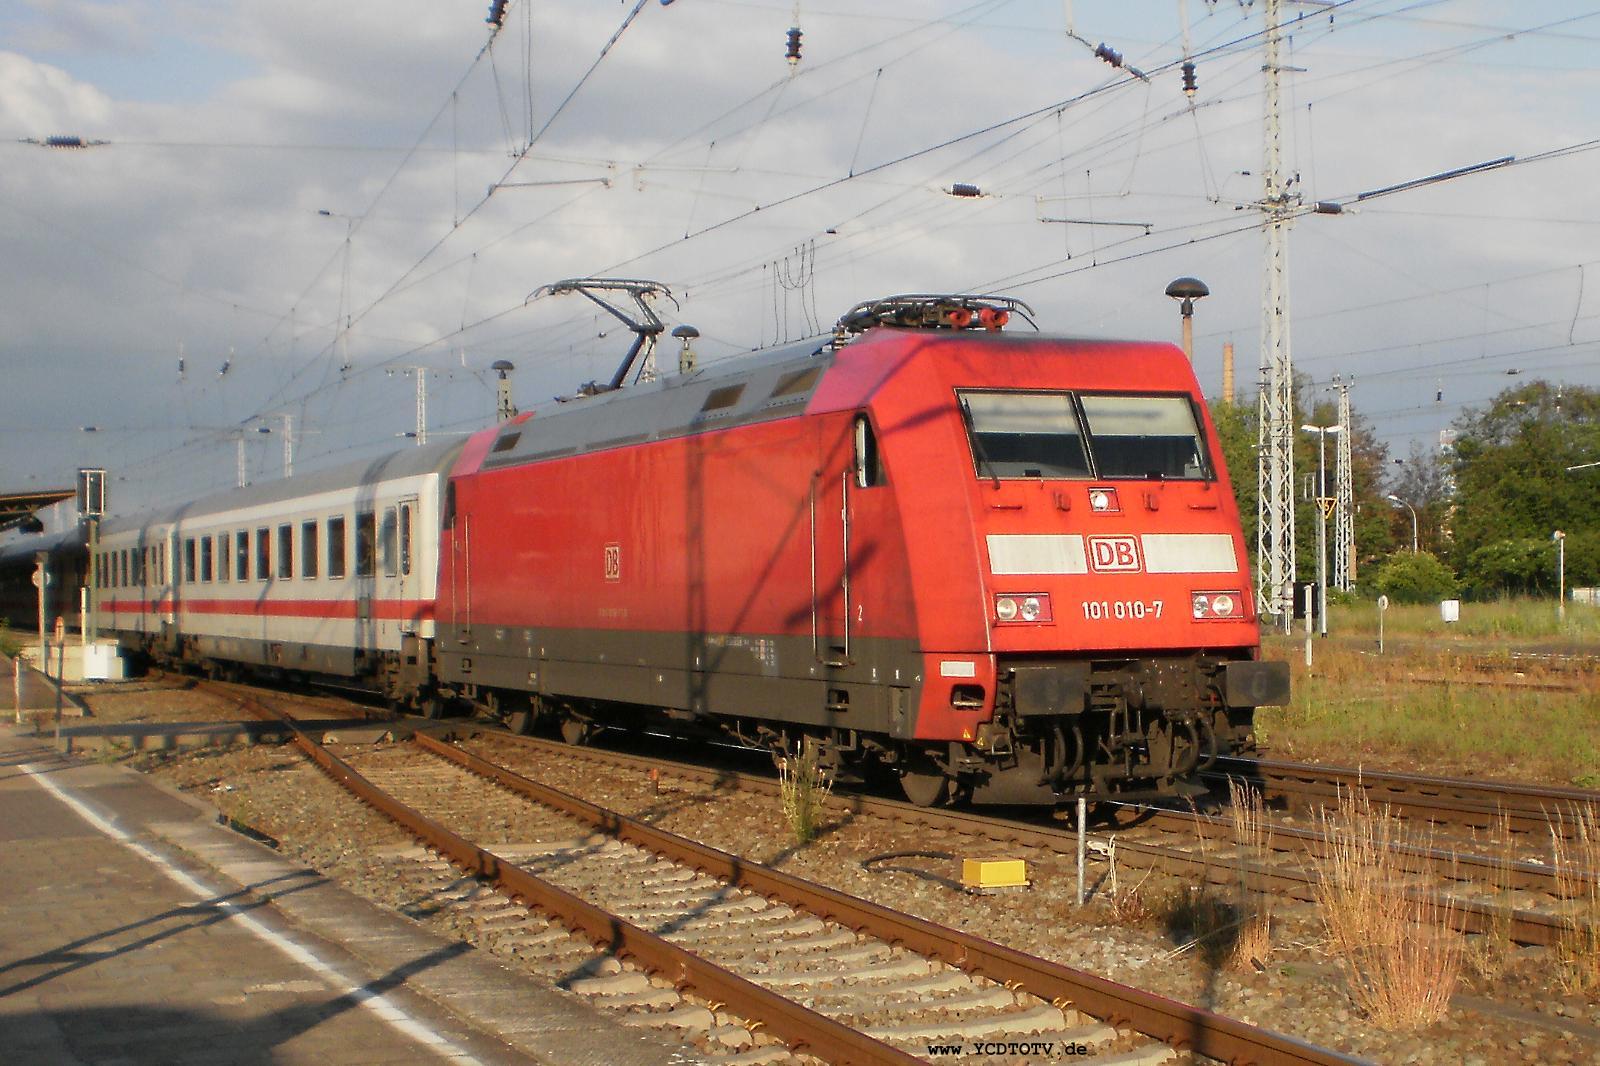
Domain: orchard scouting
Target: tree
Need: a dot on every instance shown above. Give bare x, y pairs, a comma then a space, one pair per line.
1415, 578
1513, 489
1423, 480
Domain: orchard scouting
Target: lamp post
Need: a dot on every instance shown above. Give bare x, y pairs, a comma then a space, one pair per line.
505, 410
1413, 511
1188, 290
1561, 574
1322, 433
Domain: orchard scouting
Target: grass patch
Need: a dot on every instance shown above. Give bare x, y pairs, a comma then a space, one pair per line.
1424, 708
1512, 618
1400, 956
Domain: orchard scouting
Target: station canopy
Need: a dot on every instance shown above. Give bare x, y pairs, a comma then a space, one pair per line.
17, 506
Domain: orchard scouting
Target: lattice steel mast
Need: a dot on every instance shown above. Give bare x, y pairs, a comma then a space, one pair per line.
1275, 571
1344, 509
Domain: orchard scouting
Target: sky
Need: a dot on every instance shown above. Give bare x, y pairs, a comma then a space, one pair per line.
285, 212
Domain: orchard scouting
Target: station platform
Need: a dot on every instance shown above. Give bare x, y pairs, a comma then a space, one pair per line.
139, 931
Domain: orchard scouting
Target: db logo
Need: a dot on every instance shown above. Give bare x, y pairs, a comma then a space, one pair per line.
613, 562
1113, 554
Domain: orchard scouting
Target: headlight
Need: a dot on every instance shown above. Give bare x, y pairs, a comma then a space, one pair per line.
1022, 607
1217, 606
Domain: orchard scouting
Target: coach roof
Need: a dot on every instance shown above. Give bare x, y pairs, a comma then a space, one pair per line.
408, 462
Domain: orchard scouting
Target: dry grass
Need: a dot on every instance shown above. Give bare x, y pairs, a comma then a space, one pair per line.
1488, 954
803, 788
1576, 863
1252, 839
1401, 957
1126, 904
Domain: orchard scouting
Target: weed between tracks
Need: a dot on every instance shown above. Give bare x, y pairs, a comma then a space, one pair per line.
803, 788
1576, 864
1400, 955
1233, 934
1489, 954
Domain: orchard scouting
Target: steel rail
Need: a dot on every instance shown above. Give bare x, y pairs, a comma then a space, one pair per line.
1177, 1024
1468, 916
802, 1028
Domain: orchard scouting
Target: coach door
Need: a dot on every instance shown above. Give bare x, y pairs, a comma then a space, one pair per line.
408, 573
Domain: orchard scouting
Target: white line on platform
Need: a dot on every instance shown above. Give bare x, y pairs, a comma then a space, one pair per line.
376, 1002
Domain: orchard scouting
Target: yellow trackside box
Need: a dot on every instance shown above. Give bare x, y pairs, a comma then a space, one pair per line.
994, 873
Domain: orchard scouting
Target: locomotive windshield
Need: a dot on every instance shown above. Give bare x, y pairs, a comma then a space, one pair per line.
1062, 435
1024, 434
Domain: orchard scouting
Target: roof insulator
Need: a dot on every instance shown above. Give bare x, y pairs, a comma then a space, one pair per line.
962, 188
1109, 54
793, 53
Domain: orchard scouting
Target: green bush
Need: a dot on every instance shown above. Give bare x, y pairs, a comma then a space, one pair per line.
1416, 578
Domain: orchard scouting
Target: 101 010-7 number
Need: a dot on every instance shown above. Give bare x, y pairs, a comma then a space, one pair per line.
1121, 610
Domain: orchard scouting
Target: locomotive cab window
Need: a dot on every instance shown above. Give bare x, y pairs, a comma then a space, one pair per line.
1024, 434
1144, 437
868, 463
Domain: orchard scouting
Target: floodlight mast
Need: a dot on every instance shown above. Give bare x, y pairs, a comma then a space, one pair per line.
646, 328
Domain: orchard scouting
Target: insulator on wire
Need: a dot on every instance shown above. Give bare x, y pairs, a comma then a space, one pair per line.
1190, 84
497, 13
793, 53
1109, 54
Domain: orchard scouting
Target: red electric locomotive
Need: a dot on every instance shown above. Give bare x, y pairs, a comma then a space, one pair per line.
1009, 567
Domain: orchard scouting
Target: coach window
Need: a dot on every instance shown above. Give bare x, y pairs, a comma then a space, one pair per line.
263, 553
387, 538
285, 552
224, 556
137, 576
188, 560
405, 538
336, 546
366, 542
205, 559
241, 554
308, 549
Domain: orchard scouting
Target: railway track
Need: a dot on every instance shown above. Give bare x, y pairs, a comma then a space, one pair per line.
1477, 805
831, 975
1518, 898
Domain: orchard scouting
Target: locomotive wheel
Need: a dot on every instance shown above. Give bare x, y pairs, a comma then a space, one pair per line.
430, 707
576, 731
924, 782
520, 723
